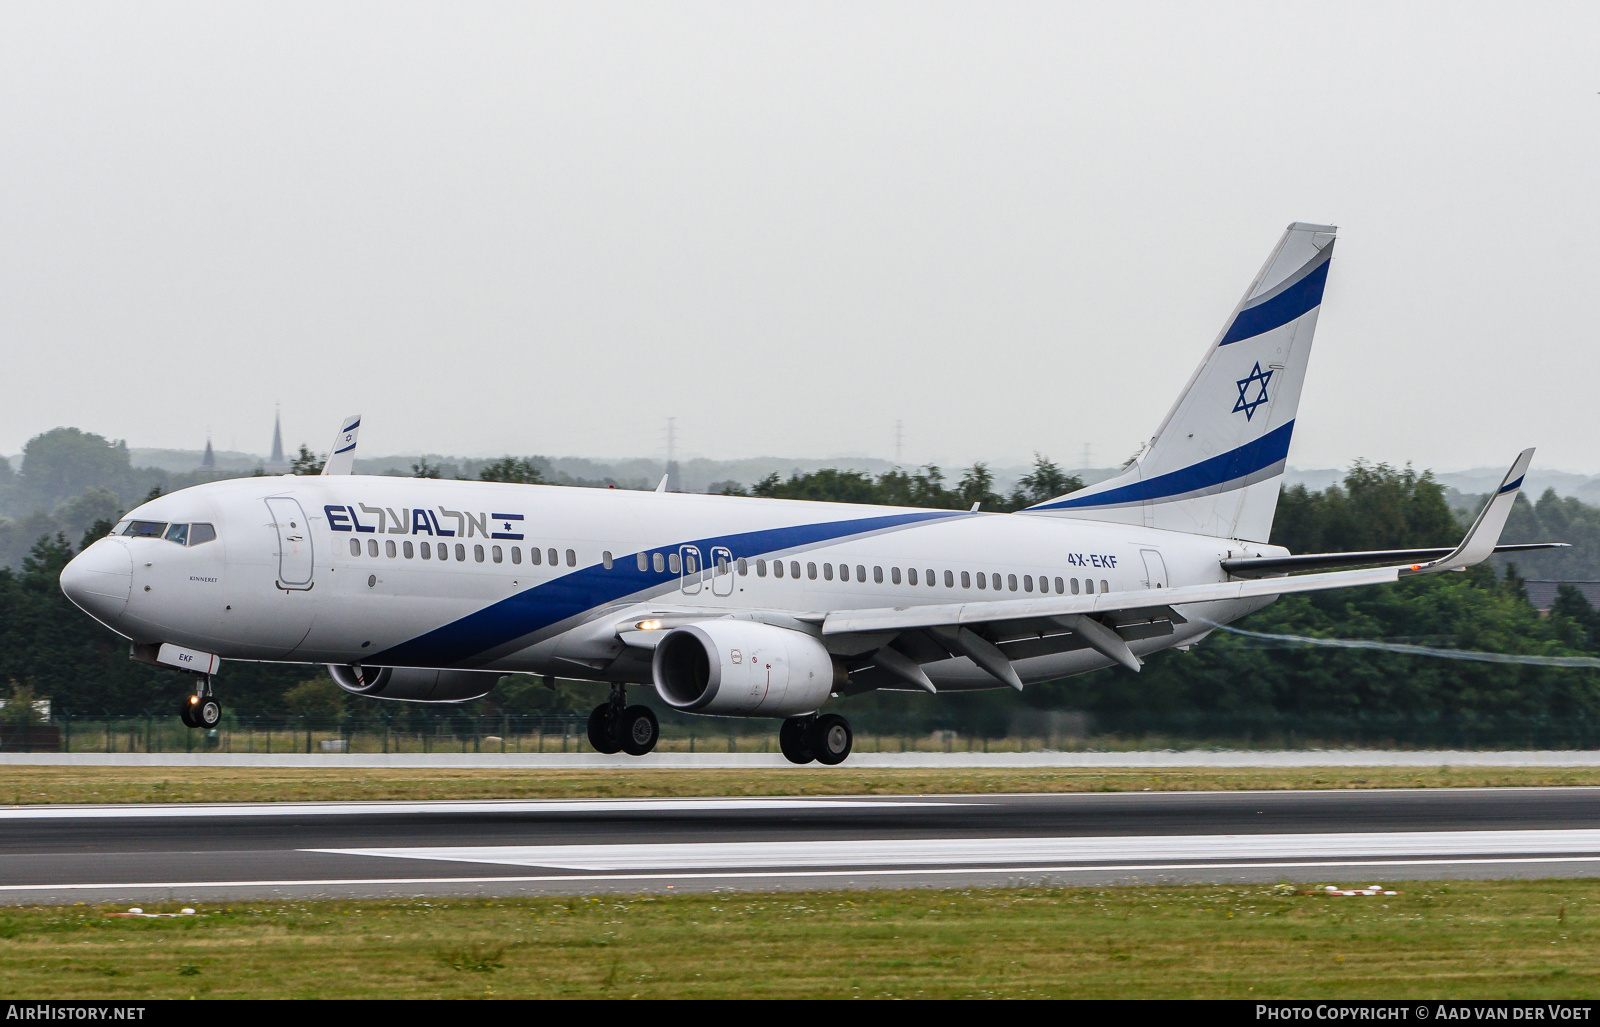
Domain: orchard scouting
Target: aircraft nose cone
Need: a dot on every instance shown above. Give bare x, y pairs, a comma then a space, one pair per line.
99, 580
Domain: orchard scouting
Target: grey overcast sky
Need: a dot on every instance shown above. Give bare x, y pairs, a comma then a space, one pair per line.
544, 228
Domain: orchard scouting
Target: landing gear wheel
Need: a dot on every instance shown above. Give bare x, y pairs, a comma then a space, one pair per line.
186, 714
638, 730
792, 740
208, 713
830, 739
602, 730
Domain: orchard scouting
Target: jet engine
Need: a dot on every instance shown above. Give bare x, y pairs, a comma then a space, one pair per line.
743, 669
413, 684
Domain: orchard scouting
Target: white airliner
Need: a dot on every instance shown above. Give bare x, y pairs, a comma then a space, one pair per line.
428, 590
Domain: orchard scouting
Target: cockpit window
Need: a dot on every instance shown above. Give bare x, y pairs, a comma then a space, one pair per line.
178, 533
146, 529
201, 532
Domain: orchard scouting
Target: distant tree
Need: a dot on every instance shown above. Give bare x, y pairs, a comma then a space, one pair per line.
1045, 482
62, 462
316, 702
1377, 507
977, 486
511, 469
423, 469
306, 462
18, 710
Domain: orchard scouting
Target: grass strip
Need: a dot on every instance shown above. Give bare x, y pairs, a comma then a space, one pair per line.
1503, 939
73, 784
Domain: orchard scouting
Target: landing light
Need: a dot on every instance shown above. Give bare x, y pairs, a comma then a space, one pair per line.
648, 625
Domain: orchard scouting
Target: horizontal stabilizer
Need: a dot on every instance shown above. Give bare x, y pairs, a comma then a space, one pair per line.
1261, 566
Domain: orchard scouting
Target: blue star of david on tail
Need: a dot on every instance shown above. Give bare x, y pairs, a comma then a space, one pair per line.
1245, 403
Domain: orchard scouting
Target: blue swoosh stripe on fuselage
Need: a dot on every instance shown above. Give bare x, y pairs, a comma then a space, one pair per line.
1295, 301
1219, 470
554, 601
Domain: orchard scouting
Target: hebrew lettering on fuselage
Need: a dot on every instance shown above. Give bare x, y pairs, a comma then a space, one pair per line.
421, 521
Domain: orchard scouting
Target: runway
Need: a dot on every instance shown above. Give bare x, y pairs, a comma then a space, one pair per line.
201, 853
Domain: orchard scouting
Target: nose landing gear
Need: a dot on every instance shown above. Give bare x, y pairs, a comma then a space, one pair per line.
201, 710
614, 726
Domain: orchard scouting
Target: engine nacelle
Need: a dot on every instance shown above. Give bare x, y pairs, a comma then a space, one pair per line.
413, 684
743, 669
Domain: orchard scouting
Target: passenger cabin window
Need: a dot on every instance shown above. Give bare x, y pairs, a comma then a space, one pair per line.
966, 579
794, 569
983, 580
461, 553
659, 562
1027, 582
675, 564
844, 572
427, 550
372, 547
535, 556
497, 554
994, 581
605, 559
861, 573
827, 571
744, 567
408, 549
516, 555
894, 575
1074, 586
390, 549
1059, 589
1103, 586
811, 571
777, 568
643, 561
1011, 580
554, 559
201, 533
1088, 585
761, 568
877, 575
949, 579
911, 576
355, 547
932, 579
572, 558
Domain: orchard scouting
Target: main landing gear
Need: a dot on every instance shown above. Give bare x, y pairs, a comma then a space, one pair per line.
614, 726
202, 710
825, 738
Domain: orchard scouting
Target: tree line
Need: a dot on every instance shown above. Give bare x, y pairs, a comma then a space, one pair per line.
1226, 685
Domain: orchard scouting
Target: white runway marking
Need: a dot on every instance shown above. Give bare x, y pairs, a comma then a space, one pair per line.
1025, 871
324, 809
982, 851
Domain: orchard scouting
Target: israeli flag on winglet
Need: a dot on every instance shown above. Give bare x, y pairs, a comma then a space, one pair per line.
342, 457
1213, 467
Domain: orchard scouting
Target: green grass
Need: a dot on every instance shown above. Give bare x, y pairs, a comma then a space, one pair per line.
1510, 939
25, 785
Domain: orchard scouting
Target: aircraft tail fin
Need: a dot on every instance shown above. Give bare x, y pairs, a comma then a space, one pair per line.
342, 458
1215, 464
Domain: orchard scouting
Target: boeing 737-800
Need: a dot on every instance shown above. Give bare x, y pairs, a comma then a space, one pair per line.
428, 590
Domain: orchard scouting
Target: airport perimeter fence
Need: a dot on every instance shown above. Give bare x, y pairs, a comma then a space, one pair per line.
429, 730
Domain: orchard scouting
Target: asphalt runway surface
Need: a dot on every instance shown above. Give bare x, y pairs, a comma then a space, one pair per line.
201, 853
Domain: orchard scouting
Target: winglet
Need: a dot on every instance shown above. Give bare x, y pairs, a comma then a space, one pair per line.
662, 485
342, 458
1484, 534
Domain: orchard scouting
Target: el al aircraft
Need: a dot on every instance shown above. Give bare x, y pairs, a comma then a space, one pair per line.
429, 591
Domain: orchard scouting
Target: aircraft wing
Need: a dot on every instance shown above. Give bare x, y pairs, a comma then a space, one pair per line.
990, 633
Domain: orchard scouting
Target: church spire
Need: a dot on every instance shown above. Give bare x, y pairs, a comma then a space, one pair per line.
277, 440
209, 461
